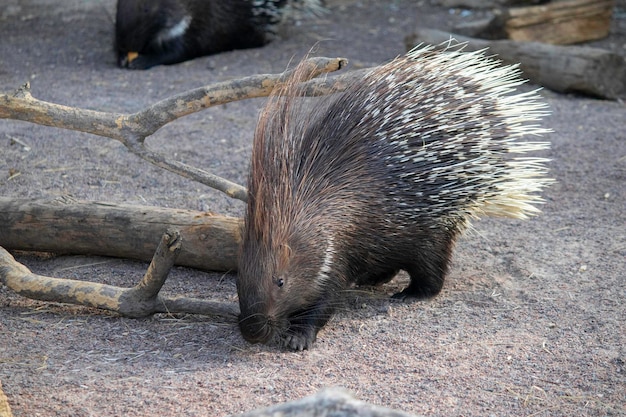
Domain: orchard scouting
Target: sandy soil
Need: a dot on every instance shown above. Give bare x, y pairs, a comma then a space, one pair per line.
529, 323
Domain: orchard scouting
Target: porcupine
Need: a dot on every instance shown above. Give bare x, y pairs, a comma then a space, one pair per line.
158, 32
381, 177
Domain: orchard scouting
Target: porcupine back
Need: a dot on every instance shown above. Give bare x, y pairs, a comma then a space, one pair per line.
440, 130
381, 177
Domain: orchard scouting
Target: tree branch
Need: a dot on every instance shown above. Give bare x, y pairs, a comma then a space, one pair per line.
133, 129
139, 301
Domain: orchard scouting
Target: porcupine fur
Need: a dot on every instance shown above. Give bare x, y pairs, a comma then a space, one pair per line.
163, 32
380, 178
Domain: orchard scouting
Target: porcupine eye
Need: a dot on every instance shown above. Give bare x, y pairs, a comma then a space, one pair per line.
278, 281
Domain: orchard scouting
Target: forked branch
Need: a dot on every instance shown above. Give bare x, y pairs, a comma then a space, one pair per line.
133, 129
139, 301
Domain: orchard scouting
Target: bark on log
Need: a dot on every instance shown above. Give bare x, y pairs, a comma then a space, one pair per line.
336, 402
563, 22
560, 22
567, 69
210, 242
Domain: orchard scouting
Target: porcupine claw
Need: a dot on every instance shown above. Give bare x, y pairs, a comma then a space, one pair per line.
299, 341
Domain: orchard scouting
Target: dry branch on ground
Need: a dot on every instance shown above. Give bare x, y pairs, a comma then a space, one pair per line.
133, 129
139, 301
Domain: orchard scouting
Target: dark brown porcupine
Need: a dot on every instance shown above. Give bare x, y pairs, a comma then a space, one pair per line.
380, 178
163, 32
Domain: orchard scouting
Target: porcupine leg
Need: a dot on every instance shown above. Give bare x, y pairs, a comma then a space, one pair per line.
304, 326
429, 271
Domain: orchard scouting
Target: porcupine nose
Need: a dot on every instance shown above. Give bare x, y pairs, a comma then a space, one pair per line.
255, 328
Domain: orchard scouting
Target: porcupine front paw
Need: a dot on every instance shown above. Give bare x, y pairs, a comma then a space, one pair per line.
299, 340
304, 325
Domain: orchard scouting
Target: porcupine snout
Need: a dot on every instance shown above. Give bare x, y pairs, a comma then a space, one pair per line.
256, 328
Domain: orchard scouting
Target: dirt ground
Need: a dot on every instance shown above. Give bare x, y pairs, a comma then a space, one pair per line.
530, 321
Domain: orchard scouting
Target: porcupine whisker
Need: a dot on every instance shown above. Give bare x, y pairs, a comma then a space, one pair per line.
251, 316
260, 332
255, 305
262, 317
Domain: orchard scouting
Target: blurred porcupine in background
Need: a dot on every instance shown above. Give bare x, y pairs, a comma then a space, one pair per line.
380, 178
157, 32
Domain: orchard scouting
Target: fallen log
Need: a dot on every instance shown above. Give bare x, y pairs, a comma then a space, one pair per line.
567, 69
560, 22
62, 226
